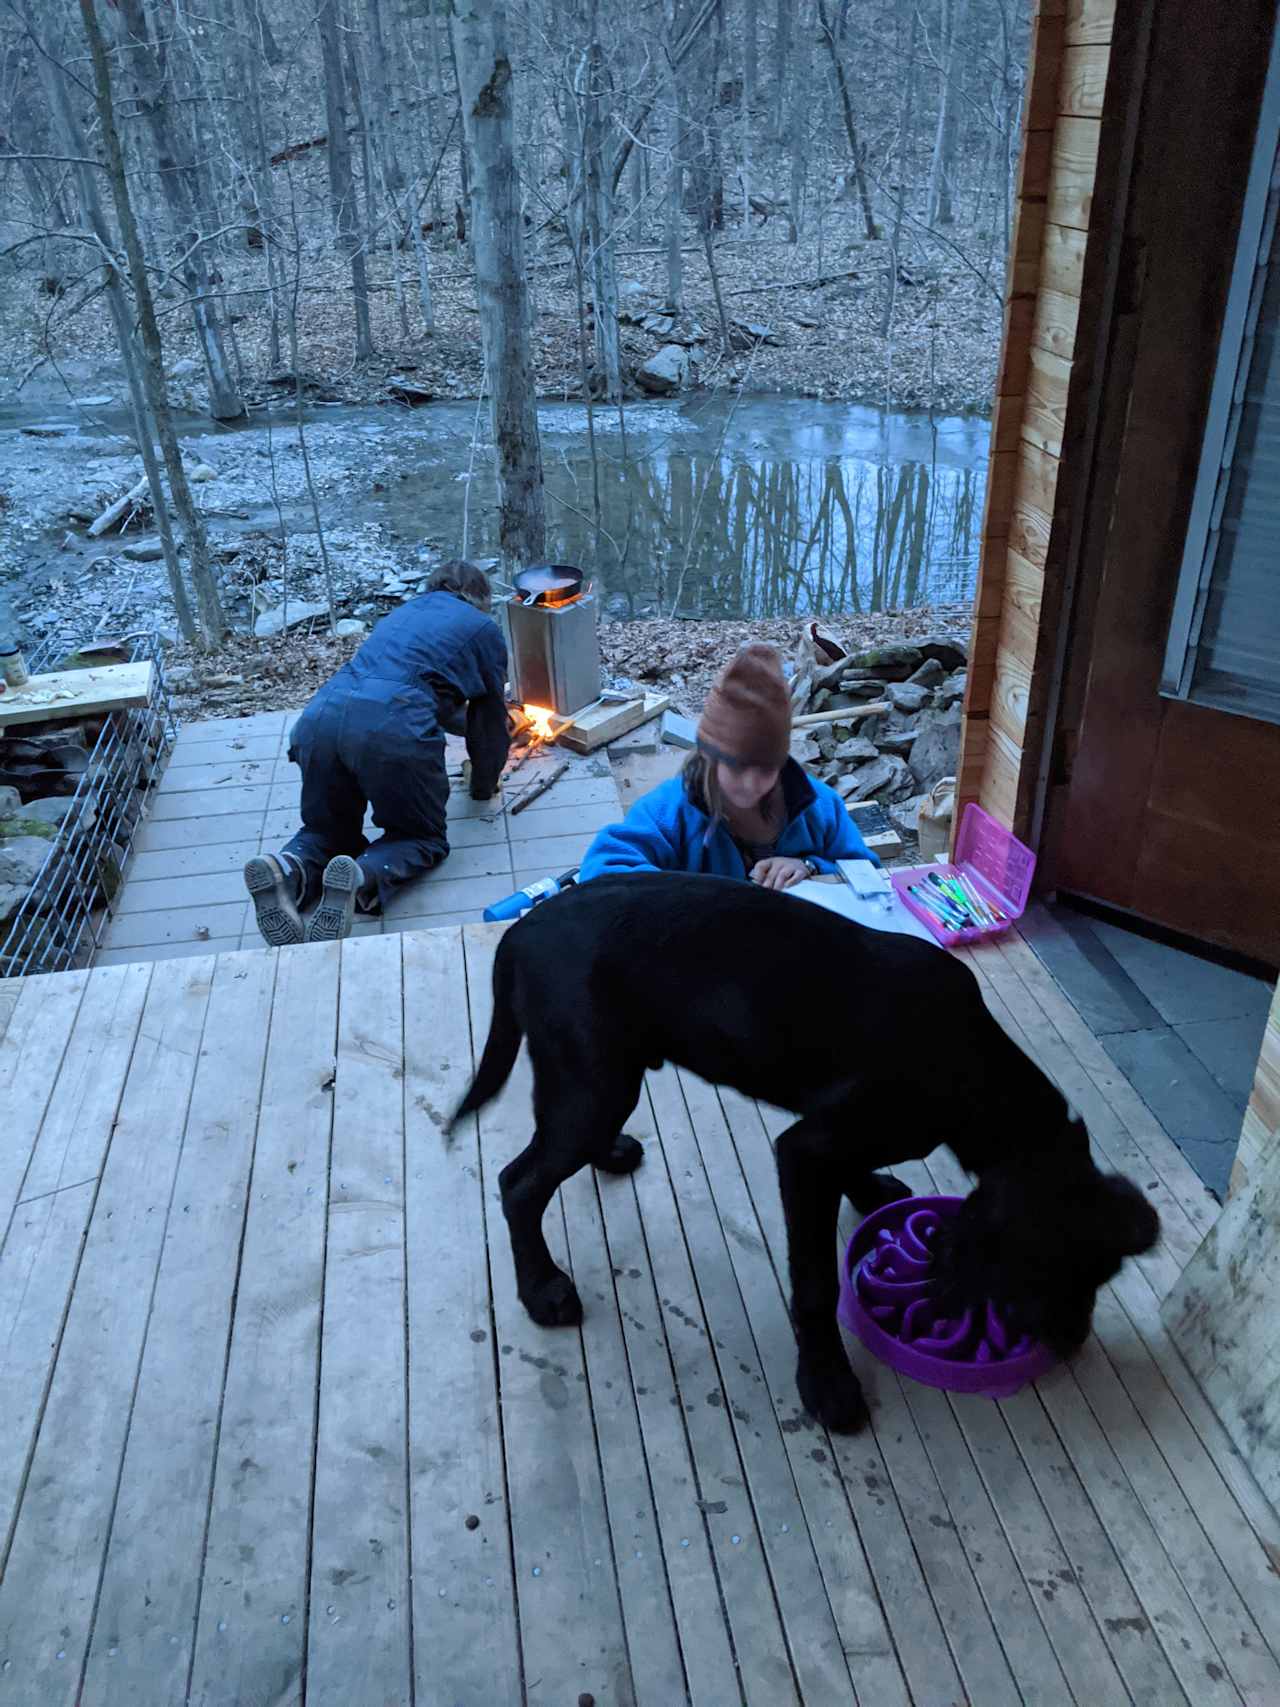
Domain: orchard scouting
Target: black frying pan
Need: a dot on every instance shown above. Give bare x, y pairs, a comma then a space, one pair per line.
560, 580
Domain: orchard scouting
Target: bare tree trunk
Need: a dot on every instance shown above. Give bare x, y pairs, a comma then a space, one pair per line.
938, 204
801, 109
479, 38
211, 618
750, 72
178, 182
383, 97
341, 183
850, 128
904, 167
598, 225
782, 50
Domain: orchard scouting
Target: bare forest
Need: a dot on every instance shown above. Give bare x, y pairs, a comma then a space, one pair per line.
247, 208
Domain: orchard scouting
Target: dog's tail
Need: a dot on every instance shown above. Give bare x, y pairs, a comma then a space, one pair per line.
500, 1050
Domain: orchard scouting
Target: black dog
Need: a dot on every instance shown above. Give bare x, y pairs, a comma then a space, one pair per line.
890, 1052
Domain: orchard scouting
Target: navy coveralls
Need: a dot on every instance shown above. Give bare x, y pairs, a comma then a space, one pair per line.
374, 734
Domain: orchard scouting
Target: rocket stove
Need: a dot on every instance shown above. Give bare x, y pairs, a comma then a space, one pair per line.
552, 641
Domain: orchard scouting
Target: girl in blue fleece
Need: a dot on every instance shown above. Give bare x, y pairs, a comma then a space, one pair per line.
742, 807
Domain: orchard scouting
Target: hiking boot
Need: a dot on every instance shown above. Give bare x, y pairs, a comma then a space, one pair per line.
271, 888
331, 921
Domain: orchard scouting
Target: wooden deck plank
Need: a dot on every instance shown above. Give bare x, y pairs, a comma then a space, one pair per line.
639, 1550
1021, 1605
256, 1553
145, 1623
738, 1155
360, 1524
903, 1521
30, 1055
691, 1329
68, 1156
466, 1645
8, 1002
37, 1271
72, 1141
753, 1335
637, 1251
49, 1592
1177, 1526
571, 1629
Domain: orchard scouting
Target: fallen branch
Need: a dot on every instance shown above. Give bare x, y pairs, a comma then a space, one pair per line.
540, 787
818, 283
113, 513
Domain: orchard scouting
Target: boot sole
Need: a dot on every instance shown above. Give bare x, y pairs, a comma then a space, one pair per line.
331, 921
278, 919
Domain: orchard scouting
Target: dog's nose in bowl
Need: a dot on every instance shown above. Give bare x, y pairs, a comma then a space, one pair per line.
889, 1298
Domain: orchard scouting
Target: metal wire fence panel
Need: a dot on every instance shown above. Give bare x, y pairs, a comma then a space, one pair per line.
57, 924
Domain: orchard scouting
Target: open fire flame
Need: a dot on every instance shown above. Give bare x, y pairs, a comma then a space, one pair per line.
540, 721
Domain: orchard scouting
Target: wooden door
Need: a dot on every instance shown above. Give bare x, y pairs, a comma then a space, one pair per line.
1159, 806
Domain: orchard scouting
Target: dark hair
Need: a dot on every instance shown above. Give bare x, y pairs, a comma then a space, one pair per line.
463, 579
702, 785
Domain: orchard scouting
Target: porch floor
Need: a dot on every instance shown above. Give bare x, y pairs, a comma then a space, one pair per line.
230, 791
276, 1429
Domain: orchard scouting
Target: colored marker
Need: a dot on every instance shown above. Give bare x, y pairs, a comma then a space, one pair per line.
933, 904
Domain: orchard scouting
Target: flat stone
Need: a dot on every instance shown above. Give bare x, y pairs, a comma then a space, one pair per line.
10, 801
94, 402
857, 750
49, 429
906, 696
930, 673
881, 780
665, 372
53, 809
952, 689
904, 815
936, 752
299, 611
184, 369
899, 741
202, 472
680, 731
12, 895
144, 550
949, 651
892, 663
21, 858
349, 626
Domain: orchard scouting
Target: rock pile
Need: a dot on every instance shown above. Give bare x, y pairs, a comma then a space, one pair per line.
881, 724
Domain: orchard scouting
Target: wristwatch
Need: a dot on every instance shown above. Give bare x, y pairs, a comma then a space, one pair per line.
811, 868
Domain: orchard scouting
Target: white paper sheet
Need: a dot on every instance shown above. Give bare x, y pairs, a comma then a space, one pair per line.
839, 898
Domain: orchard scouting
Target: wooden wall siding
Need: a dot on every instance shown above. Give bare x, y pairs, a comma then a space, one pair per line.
1013, 639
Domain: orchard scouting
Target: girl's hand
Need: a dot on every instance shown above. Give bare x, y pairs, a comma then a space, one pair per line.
779, 873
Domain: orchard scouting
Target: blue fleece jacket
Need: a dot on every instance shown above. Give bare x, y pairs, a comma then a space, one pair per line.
665, 831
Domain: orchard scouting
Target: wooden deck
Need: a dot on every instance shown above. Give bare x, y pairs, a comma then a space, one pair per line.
275, 1428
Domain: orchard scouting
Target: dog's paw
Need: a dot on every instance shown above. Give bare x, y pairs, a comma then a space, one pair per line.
831, 1394
555, 1304
624, 1156
875, 1190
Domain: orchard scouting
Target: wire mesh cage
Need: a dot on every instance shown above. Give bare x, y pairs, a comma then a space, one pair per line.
56, 925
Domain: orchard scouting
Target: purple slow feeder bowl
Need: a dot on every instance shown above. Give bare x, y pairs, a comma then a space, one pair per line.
886, 1287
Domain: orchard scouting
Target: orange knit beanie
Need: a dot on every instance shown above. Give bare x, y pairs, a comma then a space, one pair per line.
747, 715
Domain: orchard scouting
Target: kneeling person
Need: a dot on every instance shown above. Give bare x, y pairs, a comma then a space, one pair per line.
374, 736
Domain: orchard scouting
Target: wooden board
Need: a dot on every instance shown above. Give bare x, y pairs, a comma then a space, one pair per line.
606, 721
78, 693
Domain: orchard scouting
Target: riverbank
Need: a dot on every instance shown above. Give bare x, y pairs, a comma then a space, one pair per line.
681, 658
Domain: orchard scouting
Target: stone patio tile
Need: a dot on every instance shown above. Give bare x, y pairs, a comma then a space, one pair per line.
547, 850
211, 802
580, 820
163, 834
220, 728
177, 924
448, 895
203, 889
164, 951
217, 773
237, 748
179, 863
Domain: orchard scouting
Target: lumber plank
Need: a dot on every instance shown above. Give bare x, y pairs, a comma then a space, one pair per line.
640, 1550
1045, 416
571, 1630
256, 1551
679, 1472
947, 1643
1082, 82
72, 1142
1062, 260
1176, 1525
1090, 21
30, 1055
663, 1190
1072, 171
360, 1524
63, 1526
8, 1002
466, 1645
151, 1578
78, 693
60, 1189
607, 721
1056, 319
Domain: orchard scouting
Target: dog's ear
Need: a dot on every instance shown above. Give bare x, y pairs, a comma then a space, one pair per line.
1125, 1222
